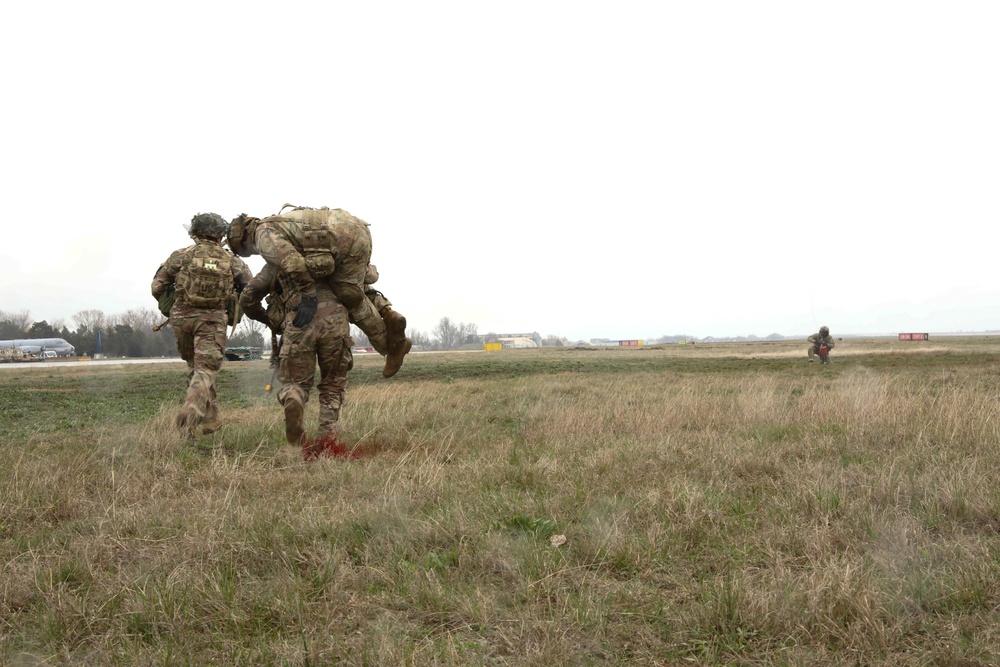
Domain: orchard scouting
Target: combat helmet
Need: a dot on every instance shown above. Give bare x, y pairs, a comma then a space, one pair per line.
240, 230
824, 330
208, 226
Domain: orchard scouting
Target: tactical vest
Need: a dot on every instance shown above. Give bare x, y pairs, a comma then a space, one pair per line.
206, 279
312, 238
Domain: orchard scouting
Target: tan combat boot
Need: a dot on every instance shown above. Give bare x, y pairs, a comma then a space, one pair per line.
395, 336
187, 423
210, 426
394, 359
294, 427
395, 327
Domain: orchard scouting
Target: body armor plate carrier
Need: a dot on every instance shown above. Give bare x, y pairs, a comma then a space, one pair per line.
206, 281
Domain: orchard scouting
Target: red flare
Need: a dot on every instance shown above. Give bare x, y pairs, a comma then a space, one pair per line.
327, 445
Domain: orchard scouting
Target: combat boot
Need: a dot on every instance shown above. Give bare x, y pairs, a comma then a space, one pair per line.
394, 359
210, 426
395, 327
294, 427
187, 422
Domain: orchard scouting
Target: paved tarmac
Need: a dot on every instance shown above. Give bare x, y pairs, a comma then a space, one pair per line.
94, 362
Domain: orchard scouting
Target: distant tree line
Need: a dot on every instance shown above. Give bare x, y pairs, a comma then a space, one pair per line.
129, 334
447, 335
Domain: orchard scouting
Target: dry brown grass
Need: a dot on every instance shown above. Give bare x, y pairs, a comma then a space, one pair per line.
721, 504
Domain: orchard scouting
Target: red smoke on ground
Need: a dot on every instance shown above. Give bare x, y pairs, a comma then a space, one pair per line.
329, 445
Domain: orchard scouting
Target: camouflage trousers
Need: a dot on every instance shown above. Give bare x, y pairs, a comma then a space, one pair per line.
326, 341
814, 352
201, 341
348, 281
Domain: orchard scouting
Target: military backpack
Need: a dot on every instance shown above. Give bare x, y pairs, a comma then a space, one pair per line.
206, 278
312, 238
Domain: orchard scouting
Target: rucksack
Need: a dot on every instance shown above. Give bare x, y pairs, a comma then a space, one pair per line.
206, 278
167, 298
169, 295
311, 237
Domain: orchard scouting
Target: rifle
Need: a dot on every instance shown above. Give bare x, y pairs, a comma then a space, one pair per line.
236, 317
275, 351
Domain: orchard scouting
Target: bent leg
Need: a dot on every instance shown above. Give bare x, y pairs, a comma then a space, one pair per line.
363, 313
335, 360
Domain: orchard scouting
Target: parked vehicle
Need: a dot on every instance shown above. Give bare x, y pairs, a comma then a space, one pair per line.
243, 353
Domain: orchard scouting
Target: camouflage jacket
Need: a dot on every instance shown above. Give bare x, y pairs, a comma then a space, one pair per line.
282, 298
166, 275
818, 340
281, 241
267, 284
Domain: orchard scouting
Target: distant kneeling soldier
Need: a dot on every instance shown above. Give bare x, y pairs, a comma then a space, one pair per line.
203, 278
820, 344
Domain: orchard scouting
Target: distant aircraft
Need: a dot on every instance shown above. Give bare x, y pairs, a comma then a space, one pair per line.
36, 345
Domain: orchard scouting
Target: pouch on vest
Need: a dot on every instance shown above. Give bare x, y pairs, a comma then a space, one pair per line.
312, 239
166, 300
206, 280
320, 265
276, 313
317, 249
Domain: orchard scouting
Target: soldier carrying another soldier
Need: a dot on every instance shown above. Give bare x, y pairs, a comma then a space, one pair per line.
200, 281
323, 336
331, 246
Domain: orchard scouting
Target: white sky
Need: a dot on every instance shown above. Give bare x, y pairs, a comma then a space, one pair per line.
584, 169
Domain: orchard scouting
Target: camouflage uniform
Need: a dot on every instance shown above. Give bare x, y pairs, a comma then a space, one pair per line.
312, 246
325, 339
818, 339
201, 338
395, 324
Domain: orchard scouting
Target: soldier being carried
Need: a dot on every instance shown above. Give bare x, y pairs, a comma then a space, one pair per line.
326, 246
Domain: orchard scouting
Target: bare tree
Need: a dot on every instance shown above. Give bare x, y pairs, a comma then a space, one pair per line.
249, 333
467, 333
140, 319
20, 321
451, 335
92, 319
446, 333
419, 338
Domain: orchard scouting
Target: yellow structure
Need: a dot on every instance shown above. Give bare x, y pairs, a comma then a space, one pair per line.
492, 346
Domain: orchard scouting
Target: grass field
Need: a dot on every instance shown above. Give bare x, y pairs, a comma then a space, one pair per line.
706, 504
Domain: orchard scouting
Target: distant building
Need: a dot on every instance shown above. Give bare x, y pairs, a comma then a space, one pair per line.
516, 342
513, 339
607, 342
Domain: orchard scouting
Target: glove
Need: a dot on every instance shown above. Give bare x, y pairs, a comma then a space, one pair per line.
304, 312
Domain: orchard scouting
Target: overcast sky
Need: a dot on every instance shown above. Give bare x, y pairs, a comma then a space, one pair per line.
618, 170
